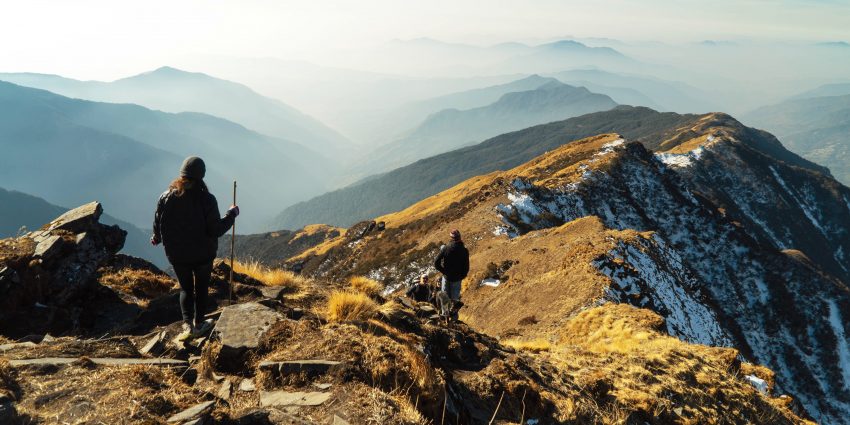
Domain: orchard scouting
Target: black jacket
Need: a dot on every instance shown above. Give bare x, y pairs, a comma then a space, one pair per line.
189, 226
419, 293
453, 261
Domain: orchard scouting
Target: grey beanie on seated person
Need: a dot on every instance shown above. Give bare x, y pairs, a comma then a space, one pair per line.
193, 168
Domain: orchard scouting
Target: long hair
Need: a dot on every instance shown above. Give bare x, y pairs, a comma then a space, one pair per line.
181, 185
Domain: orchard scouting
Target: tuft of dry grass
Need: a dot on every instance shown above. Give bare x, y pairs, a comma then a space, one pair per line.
537, 345
270, 276
8, 384
349, 306
366, 286
142, 284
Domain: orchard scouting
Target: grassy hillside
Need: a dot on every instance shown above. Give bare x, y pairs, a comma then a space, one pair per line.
404, 186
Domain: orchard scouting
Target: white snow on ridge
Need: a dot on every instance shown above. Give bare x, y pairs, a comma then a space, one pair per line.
803, 206
841, 341
680, 160
663, 284
758, 383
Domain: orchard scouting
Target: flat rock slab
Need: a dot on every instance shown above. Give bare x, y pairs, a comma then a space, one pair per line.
315, 367
193, 412
339, 421
242, 325
14, 345
58, 361
297, 398
78, 219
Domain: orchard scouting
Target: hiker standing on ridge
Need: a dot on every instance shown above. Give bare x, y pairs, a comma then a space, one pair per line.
453, 263
188, 224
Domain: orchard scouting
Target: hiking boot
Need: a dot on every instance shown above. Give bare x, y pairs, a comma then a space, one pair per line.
186, 332
202, 328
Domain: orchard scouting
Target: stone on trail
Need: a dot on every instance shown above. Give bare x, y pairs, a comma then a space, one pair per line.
339, 421
225, 390
193, 412
296, 398
156, 345
240, 328
247, 385
59, 361
311, 367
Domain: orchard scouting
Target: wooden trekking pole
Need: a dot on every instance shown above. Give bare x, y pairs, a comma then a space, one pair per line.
232, 247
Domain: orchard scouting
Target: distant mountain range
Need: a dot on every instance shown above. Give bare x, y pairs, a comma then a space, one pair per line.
818, 128
638, 90
23, 212
450, 129
173, 90
74, 151
401, 187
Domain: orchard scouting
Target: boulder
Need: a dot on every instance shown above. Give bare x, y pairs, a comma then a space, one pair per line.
67, 252
240, 328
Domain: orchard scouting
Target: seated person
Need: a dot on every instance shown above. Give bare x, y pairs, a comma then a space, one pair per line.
420, 291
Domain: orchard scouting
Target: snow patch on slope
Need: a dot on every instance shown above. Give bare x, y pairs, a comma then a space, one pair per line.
656, 272
680, 160
841, 340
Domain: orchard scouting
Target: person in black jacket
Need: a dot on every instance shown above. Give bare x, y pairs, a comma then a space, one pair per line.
453, 263
420, 291
188, 224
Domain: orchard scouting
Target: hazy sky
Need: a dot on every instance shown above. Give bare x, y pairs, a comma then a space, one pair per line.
93, 39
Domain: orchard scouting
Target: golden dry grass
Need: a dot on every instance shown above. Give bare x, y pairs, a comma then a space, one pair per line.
143, 284
349, 306
366, 286
537, 345
271, 276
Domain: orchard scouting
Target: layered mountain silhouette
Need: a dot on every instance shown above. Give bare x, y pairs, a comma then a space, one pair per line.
72, 151
173, 90
639, 90
733, 239
401, 187
409, 116
814, 127
22, 213
453, 128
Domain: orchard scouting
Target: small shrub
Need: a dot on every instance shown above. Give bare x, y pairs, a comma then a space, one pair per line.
349, 306
366, 286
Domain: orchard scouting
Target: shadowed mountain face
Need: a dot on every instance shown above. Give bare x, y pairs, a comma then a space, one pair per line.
452, 128
691, 231
818, 128
72, 151
403, 186
173, 90
22, 213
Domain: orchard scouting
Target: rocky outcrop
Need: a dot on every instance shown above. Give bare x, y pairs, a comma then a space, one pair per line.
48, 267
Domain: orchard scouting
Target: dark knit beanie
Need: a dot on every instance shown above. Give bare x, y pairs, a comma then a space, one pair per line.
193, 168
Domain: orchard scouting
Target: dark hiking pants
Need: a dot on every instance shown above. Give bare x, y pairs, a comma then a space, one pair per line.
194, 282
